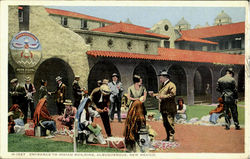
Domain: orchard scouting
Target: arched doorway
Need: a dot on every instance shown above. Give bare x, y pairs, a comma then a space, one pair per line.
202, 85
49, 70
241, 84
149, 80
178, 76
101, 70
11, 75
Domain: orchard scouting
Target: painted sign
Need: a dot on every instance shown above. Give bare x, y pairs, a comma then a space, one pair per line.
25, 49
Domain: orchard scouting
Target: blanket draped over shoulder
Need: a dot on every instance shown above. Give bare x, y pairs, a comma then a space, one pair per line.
41, 111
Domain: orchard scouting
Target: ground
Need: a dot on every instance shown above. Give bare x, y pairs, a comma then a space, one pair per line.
191, 138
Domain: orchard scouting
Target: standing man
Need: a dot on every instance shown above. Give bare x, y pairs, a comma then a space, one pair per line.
77, 91
226, 85
17, 93
60, 95
115, 97
30, 90
167, 105
100, 98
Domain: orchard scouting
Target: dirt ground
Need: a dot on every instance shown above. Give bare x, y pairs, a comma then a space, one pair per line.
191, 138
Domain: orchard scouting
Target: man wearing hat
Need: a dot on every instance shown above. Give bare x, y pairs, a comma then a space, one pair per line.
77, 91
100, 97
167, 105
226, 85
60, 95
116, 96
30, 90
68, 116
17, 93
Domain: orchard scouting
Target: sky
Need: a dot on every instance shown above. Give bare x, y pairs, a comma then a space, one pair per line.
148, 16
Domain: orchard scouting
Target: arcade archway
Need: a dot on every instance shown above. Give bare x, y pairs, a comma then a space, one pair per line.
101, 70
202, 85
49, 70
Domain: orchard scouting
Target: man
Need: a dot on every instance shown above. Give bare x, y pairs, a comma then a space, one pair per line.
77, 91
30, 90
115, 97
60, 95
100, 97
226, 85
17, 92
42, 117
167, 105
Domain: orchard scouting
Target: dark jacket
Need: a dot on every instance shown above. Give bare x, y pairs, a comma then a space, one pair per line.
226, 85
17, 94
95, 98
60, 93
77, 93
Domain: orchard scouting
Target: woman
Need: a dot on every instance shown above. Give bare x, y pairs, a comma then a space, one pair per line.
215, 114
137, 92
42, 116
181, 111
68, 116
85, 115
134, 121
15, 119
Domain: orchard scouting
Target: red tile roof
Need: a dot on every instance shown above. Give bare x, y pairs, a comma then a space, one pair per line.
214, 31
76, 15
185, 38
128, 28
167, 54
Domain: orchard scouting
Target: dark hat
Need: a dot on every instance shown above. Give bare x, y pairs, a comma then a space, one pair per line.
164, 73
114, 74
230, 70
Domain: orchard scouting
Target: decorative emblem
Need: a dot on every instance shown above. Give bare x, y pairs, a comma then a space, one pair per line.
25, 49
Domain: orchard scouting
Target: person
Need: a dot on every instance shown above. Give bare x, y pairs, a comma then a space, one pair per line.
42, 117
167, 105
215, 114
60, 95
226, 85
30, 90
15, 119
85, 115
43, 92
116, 96
99, 83
137, 92
207, 92
68, 116
17, 93
77, 91
134, 122
181, 111
101, 102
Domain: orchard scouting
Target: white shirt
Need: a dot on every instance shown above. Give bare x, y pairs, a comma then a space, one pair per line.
92, 113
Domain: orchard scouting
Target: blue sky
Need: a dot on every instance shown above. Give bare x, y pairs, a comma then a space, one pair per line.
148, 16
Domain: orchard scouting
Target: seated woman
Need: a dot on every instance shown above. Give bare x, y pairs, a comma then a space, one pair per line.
181, 111
137, 92
134, 122
68, 116
215, 114
85, 115
43, 118
15, 119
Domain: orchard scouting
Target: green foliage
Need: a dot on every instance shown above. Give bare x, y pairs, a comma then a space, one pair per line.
22, 143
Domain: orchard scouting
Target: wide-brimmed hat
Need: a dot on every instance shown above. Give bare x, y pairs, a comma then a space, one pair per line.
13, 80
58, 78
67, 102
230, 70
105, 89
27, 79
115, 75
77, 76
164, 73
10, 113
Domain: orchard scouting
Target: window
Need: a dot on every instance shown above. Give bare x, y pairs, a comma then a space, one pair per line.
214, 47
23, 17
236, 43
84, 24
166, 44
20, 14
221, 45
226, 45
191, 47
102, 24
64, 21
209, 48
181, 46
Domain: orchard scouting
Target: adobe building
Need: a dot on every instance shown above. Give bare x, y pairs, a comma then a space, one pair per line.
65, 43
